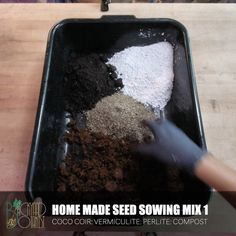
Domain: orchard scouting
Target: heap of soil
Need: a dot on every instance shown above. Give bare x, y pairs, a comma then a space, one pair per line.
97, 162
88, 79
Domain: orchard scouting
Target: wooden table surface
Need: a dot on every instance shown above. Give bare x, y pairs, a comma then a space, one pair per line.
23, 34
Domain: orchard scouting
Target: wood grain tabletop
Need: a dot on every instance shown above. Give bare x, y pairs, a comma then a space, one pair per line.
23, 35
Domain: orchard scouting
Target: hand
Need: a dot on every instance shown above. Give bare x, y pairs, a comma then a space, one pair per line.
171, 146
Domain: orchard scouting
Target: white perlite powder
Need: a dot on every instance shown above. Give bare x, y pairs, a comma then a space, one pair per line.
147, 73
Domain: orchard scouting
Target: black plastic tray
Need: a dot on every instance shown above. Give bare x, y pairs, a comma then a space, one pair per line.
108, 35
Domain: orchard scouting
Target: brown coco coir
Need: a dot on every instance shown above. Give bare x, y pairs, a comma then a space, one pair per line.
98, 162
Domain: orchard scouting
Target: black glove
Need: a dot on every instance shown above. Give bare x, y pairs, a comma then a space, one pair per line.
171, 146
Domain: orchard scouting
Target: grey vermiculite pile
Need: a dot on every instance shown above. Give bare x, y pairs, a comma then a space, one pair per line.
120, 116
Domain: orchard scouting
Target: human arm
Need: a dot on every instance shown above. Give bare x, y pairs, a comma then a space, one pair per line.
219, 176
173, 147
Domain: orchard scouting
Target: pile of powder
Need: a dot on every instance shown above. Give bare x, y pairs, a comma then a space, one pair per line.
146, 72
120, 116
88, 79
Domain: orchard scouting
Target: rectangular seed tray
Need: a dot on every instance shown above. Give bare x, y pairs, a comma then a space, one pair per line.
108, 35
